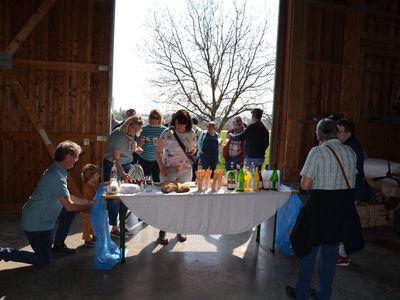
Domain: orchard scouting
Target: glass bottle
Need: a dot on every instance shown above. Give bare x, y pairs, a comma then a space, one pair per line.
114, 173
149, 184
252, 172
231, 178
256, 179
260, 182
247, 178
240, 181
199, 165
237, 171
274, 180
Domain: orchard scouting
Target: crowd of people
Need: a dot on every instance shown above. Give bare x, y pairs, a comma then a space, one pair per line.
332, 177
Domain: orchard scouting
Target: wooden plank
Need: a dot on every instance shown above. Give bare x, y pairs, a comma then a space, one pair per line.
10, 207
351, 82
27, 105
29, 109
59, 65
355, 7
32, 136
29, 26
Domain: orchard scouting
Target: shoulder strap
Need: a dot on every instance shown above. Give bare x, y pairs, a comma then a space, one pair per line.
179, 141
340, 165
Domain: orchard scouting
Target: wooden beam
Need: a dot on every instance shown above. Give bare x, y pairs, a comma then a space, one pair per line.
29, 109
32, 115
327, 64
28, 136
352, 8
59, 65
29, 26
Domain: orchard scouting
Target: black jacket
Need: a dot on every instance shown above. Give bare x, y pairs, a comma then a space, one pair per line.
327, 217
256, 139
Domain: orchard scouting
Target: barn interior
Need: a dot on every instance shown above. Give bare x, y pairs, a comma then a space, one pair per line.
333, 57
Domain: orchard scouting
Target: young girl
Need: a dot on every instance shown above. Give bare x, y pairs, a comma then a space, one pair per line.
91, 179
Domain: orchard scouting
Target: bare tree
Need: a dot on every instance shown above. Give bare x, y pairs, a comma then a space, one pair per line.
213, 64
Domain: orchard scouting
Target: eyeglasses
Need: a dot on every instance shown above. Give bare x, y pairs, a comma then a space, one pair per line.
76, 157
155, 117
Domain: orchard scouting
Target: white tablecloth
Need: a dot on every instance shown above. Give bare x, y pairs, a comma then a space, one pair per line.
375, 167
224, 212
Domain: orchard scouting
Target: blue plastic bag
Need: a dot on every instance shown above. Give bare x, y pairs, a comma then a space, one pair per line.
287, 216
107, 254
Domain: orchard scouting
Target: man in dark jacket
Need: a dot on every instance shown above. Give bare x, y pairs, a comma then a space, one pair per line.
256, 138
346, 135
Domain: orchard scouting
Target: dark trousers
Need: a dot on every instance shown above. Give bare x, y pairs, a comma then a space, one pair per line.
40, 241
64, 223
112, 205
150, 168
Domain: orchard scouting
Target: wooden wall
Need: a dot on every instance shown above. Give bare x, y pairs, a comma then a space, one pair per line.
59, 85
337, 56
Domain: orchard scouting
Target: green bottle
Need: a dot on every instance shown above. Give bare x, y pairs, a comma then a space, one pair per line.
274, 180
231, 178
240, 180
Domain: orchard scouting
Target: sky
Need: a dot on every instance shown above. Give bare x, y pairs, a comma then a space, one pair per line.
130, 71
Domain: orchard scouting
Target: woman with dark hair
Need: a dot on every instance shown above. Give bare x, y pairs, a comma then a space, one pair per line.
171, 156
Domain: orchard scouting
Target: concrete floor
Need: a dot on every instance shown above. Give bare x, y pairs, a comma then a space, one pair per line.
204, 267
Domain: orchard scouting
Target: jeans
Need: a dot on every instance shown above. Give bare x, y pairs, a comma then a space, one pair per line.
326, 270
40, 241
64, 223
112, 205
257, 162
235, 160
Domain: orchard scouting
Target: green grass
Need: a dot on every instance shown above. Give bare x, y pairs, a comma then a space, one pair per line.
221, 162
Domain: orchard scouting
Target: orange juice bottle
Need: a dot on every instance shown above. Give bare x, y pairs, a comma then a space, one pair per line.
247, 178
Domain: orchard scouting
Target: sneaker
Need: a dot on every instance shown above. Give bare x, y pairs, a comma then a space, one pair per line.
290, 292
313, 293
90, 244
182, 238
4, 252
127, 232
162, 239
342, 261
116, 233
62, 250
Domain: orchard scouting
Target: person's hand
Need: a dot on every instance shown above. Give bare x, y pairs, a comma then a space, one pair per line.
192, 150
139, 150
141, 141
229, 135
126, 178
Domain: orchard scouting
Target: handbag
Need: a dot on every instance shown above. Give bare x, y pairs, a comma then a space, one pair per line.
193, 159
